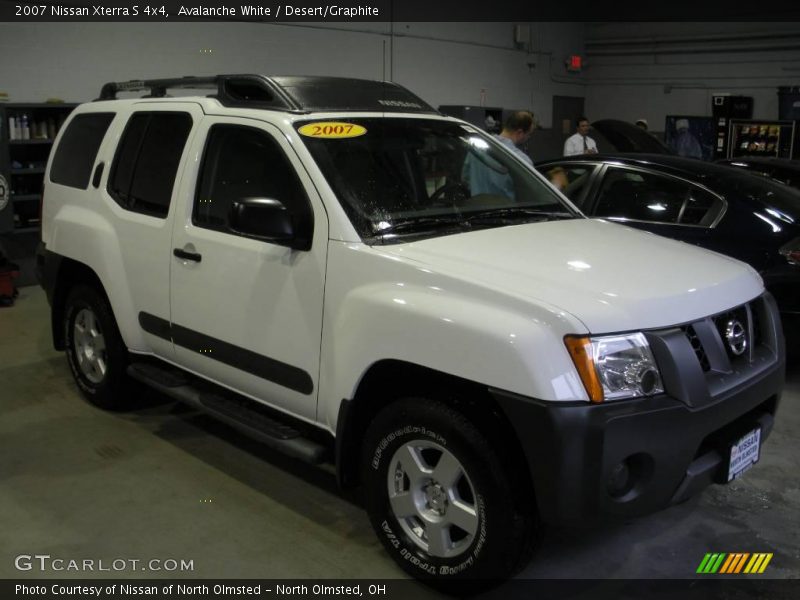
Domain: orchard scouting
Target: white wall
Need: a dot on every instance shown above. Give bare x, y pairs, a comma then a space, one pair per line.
444, 63
651, 70
634, 69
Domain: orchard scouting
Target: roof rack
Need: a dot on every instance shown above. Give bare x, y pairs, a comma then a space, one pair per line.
295, 94
232, 90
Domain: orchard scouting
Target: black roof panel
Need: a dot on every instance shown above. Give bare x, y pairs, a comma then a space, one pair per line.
342, 93
297, 94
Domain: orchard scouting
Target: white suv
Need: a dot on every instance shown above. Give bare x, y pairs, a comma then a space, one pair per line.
338, 270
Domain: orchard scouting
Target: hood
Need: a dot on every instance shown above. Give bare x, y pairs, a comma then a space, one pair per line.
626, 137
610, 277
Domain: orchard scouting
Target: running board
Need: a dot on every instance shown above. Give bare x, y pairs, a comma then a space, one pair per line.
243, 414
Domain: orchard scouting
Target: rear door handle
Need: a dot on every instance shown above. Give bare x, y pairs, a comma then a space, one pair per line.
187, 255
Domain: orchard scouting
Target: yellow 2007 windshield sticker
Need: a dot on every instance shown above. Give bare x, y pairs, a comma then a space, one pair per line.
332, 130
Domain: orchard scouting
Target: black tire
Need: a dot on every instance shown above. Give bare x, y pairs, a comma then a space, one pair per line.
98, 368
491, 546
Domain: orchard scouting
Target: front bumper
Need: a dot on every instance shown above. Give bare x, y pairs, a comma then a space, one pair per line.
674, 444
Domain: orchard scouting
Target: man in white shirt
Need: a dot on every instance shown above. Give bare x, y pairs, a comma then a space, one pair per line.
580, 142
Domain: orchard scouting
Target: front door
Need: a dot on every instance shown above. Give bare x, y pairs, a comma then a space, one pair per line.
247, 312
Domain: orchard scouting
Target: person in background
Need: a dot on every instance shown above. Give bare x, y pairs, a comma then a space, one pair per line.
580, 142
686, 143
517, 130
642, 123
558, 177
482, 177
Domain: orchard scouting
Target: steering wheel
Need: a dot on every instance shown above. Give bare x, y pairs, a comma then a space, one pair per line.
450, 193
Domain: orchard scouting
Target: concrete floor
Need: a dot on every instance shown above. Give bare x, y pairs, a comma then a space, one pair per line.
164, 482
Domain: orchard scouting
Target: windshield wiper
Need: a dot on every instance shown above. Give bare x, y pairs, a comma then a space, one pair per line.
420, 224
515, 214
461, 221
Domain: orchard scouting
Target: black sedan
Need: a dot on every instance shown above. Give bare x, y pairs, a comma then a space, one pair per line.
780, 169
721, 208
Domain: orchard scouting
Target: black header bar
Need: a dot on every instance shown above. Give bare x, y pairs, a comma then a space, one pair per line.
320, 11
699, 588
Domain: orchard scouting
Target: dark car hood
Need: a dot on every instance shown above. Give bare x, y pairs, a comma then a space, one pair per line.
625, 137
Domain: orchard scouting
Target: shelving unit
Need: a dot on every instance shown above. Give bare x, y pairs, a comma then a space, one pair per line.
23, 158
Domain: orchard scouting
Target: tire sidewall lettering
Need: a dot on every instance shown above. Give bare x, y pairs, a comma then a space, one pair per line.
480, 543
399, 433
441, 569
406, 550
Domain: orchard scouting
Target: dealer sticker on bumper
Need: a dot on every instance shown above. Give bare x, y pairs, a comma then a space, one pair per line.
744, 454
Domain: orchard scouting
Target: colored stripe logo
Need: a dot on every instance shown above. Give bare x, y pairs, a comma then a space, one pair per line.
734, 563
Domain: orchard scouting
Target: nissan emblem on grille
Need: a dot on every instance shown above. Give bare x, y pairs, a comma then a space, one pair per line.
736, 337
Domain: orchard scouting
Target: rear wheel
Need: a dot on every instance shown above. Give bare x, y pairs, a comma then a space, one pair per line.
444, 504
95, 351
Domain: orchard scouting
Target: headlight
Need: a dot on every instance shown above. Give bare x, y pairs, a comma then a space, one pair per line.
613, 367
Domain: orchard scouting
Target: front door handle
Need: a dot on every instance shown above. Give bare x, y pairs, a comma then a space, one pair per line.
196, 257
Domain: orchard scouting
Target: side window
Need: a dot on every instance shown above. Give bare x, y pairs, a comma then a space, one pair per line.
570, 180
77, 150
700, 208
643, 196
241, 162
146, 164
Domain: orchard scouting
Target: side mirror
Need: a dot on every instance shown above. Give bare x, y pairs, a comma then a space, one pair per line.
269, 220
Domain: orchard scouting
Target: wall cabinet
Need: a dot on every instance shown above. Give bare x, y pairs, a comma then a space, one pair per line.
27, 132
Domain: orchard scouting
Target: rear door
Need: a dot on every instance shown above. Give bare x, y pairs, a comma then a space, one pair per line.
667, 205
246, 312
140, 191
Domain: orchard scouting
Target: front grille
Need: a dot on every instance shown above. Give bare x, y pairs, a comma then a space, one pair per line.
697, 346
735, 329
727, 340
757, 328
697, 363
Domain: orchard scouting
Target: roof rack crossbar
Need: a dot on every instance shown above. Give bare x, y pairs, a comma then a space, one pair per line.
225, 86
157, 87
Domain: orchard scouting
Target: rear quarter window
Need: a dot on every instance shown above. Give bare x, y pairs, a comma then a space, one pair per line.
77, 150
655, 198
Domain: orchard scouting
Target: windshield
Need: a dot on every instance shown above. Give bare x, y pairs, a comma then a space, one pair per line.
404, 178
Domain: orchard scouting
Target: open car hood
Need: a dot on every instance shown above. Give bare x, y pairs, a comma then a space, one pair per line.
626, 137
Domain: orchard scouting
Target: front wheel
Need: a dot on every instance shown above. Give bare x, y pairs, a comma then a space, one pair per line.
440, 498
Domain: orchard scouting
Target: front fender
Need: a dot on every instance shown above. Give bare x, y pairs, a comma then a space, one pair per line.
454, 327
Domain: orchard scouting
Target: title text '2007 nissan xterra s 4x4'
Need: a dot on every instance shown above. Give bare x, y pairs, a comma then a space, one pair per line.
343, 273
